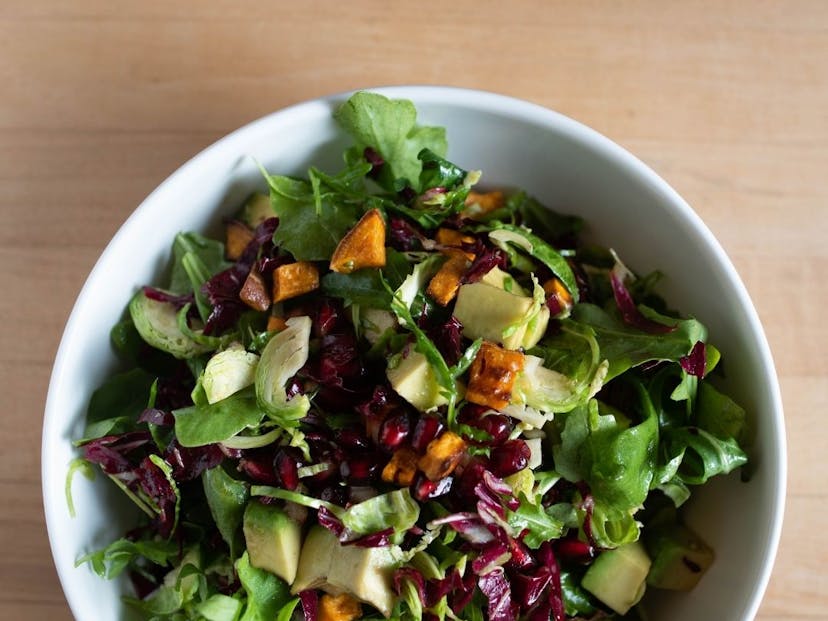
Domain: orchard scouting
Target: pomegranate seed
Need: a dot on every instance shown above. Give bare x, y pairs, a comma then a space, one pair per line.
574, 550
424, 489
260, 470
351, 440
508, 458
285, 466
360, 469
393, 431
468, 480
337, 494
426, 429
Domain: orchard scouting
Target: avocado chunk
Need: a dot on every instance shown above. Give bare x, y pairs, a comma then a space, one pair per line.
315, 559
256, 210
227, 372
490, 307
619, 577
157, 323
273, 540
413, 378
680, 558
364, 573
486, 311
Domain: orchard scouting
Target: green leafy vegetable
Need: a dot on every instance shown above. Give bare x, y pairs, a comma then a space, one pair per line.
389, 127
199, 425
226, 498
266, 594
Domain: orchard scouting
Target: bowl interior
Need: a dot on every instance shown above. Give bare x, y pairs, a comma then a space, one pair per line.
568, 167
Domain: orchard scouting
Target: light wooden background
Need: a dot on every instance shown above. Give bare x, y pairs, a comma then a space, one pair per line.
101, 99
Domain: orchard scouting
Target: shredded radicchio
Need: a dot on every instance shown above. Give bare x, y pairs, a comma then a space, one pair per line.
189, 463
695, 363
629, 311
223, 289
179, 301
486, 258
404, 236
155, 484
309, 600
495, 586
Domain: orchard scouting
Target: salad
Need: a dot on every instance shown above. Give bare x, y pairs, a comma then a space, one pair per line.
389, 393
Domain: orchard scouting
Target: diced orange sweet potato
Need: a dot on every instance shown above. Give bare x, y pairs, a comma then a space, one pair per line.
340, 607
238, 235
254, 291
492, 376
294, 279
402, 467
362, 246
478, 204
445, 283
554, 288
443, 454
452, 237
275, 324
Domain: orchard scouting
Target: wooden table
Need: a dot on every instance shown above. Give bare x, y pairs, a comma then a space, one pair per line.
101, 99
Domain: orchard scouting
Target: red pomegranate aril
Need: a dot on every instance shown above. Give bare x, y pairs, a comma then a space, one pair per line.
286, 468
259, 470
423, 489
508, 458
394, 431
426, 429
360, 469
574, 551
337, 494
351, 440
472, 475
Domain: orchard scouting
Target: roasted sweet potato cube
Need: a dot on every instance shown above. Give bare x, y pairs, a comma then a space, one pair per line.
294, 279
558, 297
340, 607
238, 235
492, 376
254, 291
452, 237
362, 246
275, 324
443, 454
402, 467
479, 204
445, 283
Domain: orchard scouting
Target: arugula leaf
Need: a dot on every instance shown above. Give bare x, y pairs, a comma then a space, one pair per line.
312, 221
200, 251
547, 223
577, 601
226, 498
111, 561
625, 347
719, 414
388, 126
122, 395
165, 601
703, 455
207, 423
540, 523
266, 594
617, 462
520, 237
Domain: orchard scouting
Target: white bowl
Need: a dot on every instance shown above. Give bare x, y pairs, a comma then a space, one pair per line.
567, 166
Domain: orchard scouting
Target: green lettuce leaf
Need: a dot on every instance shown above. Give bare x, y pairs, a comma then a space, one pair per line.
111, 561
702, 454
389, 127
540, 523
226, 498
266, 594
203, 424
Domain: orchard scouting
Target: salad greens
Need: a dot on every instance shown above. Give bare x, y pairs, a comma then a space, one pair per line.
388, 394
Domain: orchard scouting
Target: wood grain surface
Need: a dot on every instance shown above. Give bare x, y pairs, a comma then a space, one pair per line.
101, 99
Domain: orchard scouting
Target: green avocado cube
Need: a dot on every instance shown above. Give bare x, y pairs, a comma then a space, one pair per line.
619, 577
273, 540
